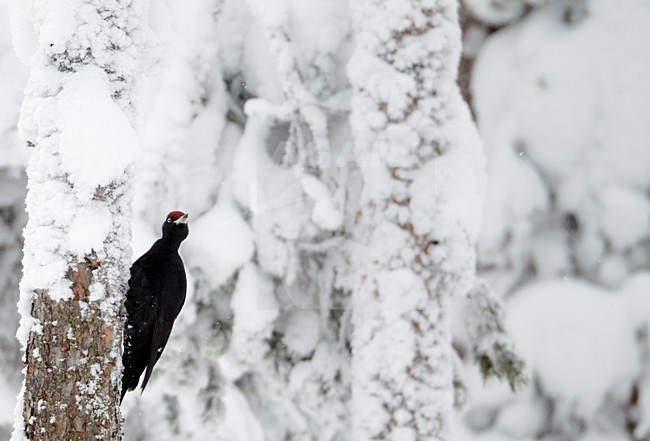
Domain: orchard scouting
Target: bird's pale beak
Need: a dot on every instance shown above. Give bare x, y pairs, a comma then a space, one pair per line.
182, 220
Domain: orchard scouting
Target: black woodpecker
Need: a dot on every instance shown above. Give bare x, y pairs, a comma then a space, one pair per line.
155, 297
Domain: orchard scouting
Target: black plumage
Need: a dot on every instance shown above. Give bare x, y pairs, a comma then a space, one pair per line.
156, 295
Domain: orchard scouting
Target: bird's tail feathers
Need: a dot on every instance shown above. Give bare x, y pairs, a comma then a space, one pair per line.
128, 385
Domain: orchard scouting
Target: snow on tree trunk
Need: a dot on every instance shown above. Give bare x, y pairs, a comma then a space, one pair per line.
75, 116
422, 167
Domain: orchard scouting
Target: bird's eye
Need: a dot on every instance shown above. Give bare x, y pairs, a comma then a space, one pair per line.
169, 219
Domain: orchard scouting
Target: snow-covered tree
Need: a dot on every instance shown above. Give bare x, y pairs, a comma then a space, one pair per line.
422, 167
84, 59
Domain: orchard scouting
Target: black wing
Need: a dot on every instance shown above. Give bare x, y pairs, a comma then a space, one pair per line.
142, 304
172, 297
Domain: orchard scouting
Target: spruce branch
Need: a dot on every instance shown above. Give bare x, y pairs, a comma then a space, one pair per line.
492, 347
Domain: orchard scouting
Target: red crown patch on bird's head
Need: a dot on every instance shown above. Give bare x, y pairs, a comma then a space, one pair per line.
175, 214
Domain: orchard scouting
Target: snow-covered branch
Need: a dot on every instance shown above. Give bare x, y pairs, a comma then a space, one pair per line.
307, 149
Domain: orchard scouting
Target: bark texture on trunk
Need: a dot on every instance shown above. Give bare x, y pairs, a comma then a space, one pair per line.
70, 368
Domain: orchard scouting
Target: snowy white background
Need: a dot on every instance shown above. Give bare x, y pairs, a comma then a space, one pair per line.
561, 93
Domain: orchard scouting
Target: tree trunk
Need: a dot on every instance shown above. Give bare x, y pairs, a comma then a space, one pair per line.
422, 168
76, 113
